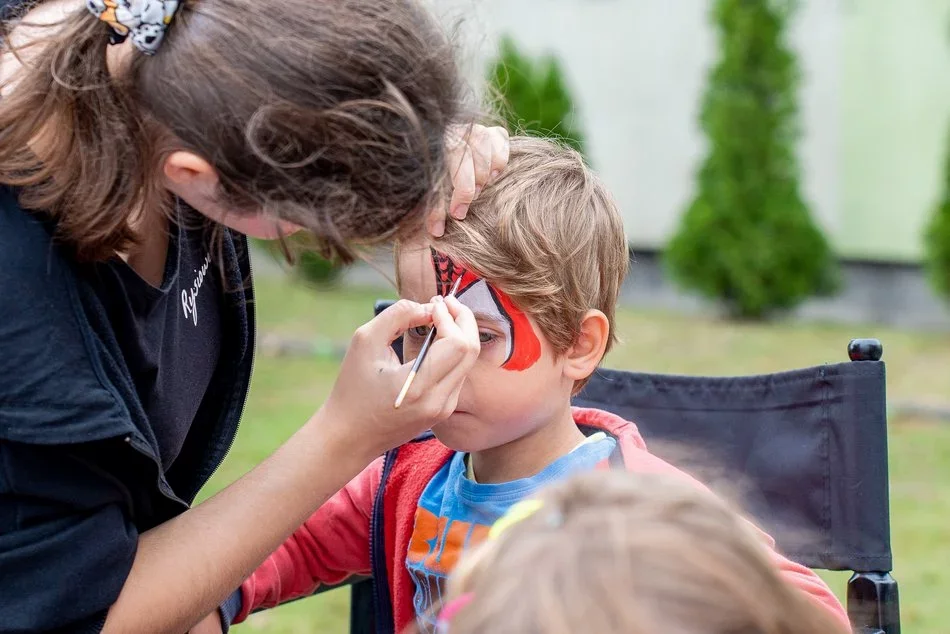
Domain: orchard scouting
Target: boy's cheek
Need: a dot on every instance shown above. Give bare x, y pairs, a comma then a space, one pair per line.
493, 354
482, 390
494, 391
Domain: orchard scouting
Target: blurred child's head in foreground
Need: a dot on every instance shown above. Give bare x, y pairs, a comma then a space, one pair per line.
617, 553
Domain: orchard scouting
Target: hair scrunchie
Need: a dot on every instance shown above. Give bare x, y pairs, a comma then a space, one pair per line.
144, 20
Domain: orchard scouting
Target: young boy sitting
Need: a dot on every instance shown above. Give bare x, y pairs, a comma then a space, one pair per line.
541, 258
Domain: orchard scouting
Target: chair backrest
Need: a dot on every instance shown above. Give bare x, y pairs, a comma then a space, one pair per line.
809, 448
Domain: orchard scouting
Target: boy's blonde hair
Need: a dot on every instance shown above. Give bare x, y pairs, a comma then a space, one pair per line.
549, 234
617, 553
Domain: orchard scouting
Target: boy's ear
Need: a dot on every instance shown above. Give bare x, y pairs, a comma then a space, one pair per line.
584, 356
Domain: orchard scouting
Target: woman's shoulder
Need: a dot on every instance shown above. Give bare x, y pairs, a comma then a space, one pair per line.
24, 236
26, 243
12, 214
54, 387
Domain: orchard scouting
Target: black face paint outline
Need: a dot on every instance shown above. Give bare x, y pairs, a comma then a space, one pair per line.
445, 271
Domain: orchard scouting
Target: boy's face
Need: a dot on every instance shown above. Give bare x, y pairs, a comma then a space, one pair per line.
517, 385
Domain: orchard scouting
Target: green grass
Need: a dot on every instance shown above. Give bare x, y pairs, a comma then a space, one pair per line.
285, 392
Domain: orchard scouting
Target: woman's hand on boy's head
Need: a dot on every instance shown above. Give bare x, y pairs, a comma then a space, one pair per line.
476, 156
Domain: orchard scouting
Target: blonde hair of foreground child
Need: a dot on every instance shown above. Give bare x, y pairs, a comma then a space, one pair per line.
612, 552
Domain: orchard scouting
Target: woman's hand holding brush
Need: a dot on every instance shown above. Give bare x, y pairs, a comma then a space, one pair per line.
371, 378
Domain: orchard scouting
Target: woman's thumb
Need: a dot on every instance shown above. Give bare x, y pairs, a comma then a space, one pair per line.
390, 324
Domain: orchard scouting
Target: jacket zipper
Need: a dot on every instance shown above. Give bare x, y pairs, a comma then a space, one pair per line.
146, 451
253, 336
382, 602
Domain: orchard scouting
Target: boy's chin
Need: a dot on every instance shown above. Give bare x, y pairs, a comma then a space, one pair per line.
456, 434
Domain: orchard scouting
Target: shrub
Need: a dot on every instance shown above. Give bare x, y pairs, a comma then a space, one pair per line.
937, 241
308, 265
534, 95
747, 238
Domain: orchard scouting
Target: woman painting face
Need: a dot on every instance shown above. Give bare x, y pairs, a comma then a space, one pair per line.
493, 309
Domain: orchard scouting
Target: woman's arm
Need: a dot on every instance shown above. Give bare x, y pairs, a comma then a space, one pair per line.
330, 547
185, 567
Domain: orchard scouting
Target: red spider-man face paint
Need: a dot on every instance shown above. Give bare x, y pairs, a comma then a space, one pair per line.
523, 348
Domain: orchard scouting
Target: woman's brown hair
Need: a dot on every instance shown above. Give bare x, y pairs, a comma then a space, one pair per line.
617, 553
327, 114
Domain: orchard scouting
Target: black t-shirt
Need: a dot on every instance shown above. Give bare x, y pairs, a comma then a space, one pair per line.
170, 336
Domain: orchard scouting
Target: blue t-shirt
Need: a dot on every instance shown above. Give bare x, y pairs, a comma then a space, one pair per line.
455, 513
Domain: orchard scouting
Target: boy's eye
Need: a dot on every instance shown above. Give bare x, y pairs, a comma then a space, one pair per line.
421, 331
486, 337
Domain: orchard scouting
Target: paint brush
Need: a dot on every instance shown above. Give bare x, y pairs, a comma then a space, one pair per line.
423, 351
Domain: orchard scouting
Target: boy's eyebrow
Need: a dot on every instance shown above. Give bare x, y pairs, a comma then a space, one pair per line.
493, 318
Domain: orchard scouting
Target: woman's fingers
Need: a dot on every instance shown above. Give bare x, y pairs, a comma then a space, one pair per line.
463, 182
456, 339
362, 401
477, 156
480, 142
459, 321
390, 324
462, 315
501, 148
451, 356
442, 318
435, 223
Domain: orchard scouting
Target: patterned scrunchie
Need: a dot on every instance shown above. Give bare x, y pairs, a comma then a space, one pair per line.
144, 20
